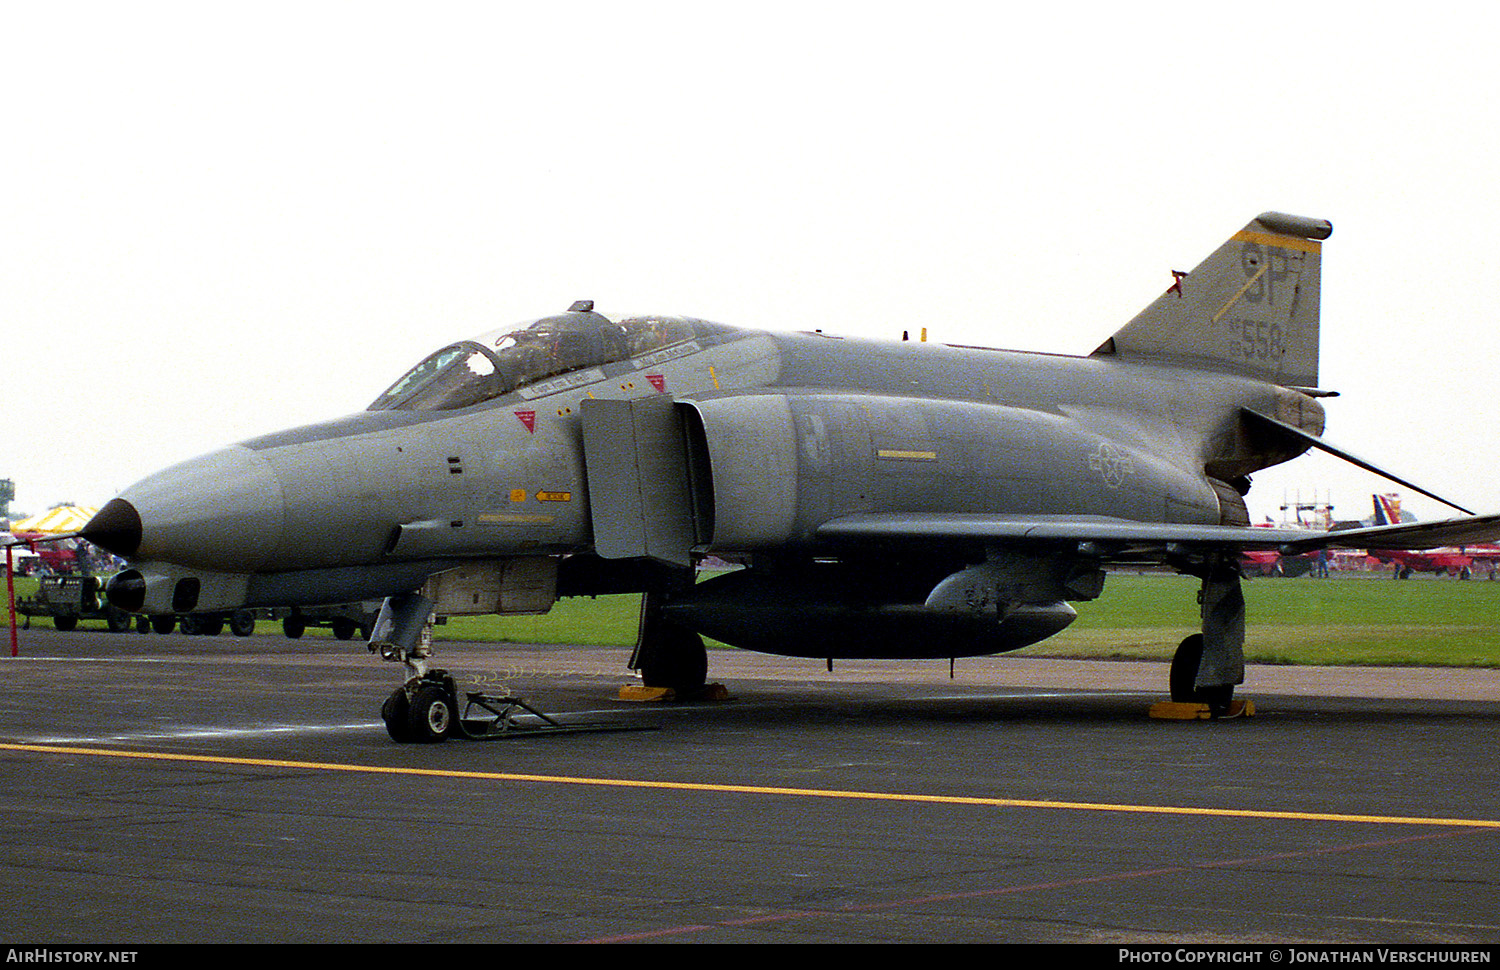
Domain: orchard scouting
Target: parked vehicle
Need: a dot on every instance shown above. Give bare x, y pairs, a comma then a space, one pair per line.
68, 599
344, 619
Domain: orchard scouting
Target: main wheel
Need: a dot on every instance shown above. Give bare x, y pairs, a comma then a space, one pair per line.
1184, 669
431, 715
1183, 674
293, 626
211, 626
679, 661
242, 623
163, 622
343, 627
65, 622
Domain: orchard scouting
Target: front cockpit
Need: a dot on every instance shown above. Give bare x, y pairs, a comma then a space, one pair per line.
502, 361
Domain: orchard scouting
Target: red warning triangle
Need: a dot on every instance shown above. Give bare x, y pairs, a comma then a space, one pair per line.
528, 418
657, 381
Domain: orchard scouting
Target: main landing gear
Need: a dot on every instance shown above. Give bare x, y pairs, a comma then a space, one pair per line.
1208, 665
1183, 675
668, 655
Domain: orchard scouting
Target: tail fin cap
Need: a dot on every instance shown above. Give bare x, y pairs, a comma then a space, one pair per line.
1289, 225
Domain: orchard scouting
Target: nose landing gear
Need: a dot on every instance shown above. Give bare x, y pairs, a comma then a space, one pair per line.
428, 706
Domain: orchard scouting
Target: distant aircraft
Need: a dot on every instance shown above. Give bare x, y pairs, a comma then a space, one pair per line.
1459, 562
889, 499
1268, 562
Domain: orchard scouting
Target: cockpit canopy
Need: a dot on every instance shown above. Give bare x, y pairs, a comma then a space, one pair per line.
503, 361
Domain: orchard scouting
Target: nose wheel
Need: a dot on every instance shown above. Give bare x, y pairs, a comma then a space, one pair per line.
423, 711
428, 708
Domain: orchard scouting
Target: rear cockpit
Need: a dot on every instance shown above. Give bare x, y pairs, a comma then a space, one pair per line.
502, 361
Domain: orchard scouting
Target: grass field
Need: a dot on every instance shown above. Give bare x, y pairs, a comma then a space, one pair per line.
1295, 621
1365, 620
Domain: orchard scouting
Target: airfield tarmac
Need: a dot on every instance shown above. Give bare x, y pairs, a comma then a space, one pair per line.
168, 788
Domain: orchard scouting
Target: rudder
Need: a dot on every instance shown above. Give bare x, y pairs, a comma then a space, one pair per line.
1250, 308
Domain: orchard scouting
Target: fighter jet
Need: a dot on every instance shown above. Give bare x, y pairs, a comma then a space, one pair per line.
888, 499
1462, 561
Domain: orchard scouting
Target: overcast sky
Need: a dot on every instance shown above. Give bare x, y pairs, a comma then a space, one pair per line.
223, 219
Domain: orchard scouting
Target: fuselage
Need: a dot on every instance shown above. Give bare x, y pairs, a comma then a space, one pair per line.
798, 429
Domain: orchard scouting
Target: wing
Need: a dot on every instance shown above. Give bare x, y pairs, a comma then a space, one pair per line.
1118, 538
1123, 539
1408, 535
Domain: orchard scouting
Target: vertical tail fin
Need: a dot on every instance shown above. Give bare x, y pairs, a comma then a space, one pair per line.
1250, 308
1387, 509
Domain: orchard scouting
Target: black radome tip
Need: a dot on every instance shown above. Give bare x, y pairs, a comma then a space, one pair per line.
117, 528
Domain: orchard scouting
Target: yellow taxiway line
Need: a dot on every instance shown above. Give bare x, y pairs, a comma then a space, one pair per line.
754, 789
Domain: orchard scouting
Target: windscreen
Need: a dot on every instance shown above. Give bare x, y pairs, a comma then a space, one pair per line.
503, 361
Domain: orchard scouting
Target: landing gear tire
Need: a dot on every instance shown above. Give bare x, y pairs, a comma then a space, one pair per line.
430, 716
294, 626
242, 623
1184, 669
117, 620
65, 623
394, 712
343, 628
679, 661
1183, 673
163, 623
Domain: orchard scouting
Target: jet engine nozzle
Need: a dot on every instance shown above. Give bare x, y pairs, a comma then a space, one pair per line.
127, 590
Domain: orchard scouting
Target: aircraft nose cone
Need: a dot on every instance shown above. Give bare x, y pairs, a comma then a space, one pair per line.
222, 511
116, 527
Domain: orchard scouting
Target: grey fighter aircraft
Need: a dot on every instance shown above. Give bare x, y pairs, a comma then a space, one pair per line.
888, 499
